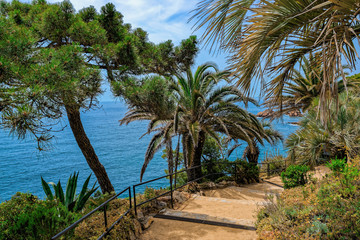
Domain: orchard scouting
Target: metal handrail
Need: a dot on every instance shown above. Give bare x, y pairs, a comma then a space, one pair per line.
103, 205
171, 186
172, 189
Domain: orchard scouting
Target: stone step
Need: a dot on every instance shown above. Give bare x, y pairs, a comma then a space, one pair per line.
246, 223
228, 200
244, 192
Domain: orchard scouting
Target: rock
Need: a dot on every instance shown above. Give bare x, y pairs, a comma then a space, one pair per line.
161, 204
179, 197
294, 123
207, 185
295, 113
146, 222
265, 114
140, 214
137, 228
164, 198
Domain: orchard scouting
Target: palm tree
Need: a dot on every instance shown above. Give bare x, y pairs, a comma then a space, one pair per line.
205, 109
191, 107
276, 35
252, 152
313, 143
303, 87
151, 100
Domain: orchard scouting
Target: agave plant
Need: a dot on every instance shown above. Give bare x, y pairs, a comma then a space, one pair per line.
69, 199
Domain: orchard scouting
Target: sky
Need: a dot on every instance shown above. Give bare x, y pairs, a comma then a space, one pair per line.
161, 19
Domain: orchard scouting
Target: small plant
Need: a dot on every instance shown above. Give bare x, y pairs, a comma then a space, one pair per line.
70, 200
246, 172
295, 175
27, 217
337, 165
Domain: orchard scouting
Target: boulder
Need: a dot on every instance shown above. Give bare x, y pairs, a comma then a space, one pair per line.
164, 198
161, 204
207, 185
146, 222
265, 114
179, 197
137, 228
295, 113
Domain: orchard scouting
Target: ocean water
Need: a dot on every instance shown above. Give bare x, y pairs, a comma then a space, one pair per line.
118, 147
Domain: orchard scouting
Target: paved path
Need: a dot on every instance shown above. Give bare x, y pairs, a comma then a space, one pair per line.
232, 206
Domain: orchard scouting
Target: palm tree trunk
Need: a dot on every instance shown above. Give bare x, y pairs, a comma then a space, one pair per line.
73, 114
252, 155
196, 158
170, 157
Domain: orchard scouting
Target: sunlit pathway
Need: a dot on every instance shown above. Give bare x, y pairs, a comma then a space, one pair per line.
233, 208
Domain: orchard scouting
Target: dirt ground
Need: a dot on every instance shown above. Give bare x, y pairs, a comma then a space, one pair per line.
234, 203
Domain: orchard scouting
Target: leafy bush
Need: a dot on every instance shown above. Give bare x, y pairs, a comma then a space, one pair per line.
246, 172
181, 178
328, 209
27, 217
70, 200
337, 165
295, 175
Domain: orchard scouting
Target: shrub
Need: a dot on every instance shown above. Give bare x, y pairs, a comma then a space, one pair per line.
277, 164
337, 165
246, 172
27, 217
329, 209
295, 175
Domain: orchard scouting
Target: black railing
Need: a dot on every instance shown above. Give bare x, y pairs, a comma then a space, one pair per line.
172, 188
270, 169
103, 206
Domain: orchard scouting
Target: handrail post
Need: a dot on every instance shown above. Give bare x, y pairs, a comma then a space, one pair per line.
268, 170
135, 201
130, 197
171, 192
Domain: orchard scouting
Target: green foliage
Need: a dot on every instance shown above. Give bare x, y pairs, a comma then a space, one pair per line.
193, 107
295, 175
337, 165
274, 163
154, 91
27, 217
275, 38
181, 178
328, 209
51, 58
314, 143
212, 156
70, 199
246, 172
150, 193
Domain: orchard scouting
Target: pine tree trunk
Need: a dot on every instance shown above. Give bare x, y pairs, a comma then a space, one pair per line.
196, 158
87, 149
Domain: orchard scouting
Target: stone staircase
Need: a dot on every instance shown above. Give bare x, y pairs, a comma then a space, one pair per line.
227, 213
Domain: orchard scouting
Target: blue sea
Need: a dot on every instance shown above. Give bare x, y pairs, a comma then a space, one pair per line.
118, 147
